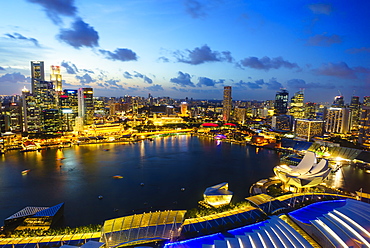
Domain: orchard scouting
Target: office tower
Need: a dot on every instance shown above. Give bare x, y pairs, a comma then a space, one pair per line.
297, 105
86, 105
310, 110
31, 121
227, 103
282, 122
56, 78
68, 101
184, 108
364, 127
37, 76
337, 120
366, 101
355, 113
338, 102
281, 102
306, 129
240, 114
51, 121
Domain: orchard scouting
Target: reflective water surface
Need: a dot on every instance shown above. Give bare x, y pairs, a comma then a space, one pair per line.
167, 173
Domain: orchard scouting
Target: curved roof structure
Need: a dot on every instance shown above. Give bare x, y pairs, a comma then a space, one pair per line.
218, 194
307, 173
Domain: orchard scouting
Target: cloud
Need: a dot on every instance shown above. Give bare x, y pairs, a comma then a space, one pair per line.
301, 84
266, 63
183, 80
85, 79
201, 55
2, 68
81, 34
204, 81
320, 8
18, 36
251, 85
122, 54
113, 82
273, 84
15, 77
146, 79
155, 87
163, 59
195, 8
127, 75
70, 67
56, 8
324, 40
358, 50
340, 70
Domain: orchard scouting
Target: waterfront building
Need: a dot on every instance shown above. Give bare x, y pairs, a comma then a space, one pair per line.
184, 109
281, 102
282, 122
297, 106
355, 113
337, 120
31, 121
218, 195
364, 127
308, 173
68, 101
85, 98
227, 104
51, 120
306, 129
240, 114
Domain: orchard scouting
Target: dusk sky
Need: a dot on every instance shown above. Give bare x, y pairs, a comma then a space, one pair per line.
190, 48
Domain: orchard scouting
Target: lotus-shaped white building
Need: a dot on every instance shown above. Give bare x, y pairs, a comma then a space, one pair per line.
307, 173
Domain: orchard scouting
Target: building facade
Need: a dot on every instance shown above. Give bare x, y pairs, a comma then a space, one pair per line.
227, 103
281, 102
337, 120
306, 129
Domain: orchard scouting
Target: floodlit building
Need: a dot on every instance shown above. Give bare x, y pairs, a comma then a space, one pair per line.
281, 102
308, 173
307, 129
85, 98
364, 127
282, 122
337, 120
227, 103
218, 195
297, 105
56, 78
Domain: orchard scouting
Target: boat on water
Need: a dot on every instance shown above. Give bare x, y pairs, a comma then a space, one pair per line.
30, 146
117, 176
25, 172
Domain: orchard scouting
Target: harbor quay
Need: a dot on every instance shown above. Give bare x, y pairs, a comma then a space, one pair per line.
299, 216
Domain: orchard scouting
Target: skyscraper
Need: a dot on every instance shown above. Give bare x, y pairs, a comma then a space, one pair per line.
281, 102
338, 102
227, 103
355, 112
86, 105
297, 106
37, 76
364, 127
366, 101
56, 78
337, 120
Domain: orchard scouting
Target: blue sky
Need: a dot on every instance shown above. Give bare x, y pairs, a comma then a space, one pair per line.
190, 48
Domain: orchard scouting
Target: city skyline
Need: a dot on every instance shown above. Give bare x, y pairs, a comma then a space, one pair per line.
190, 48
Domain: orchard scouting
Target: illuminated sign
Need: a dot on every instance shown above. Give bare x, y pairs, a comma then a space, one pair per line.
67, 111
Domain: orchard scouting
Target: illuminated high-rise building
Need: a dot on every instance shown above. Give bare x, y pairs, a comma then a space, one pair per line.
281, 102
227, 103
68, 101
337, 120
85, 98
306, 129
37, 76
366, 101
297, 105
355, 112
364, 127
31, 121
56, 78
338, 102
282, 122
310, 110
184, 109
